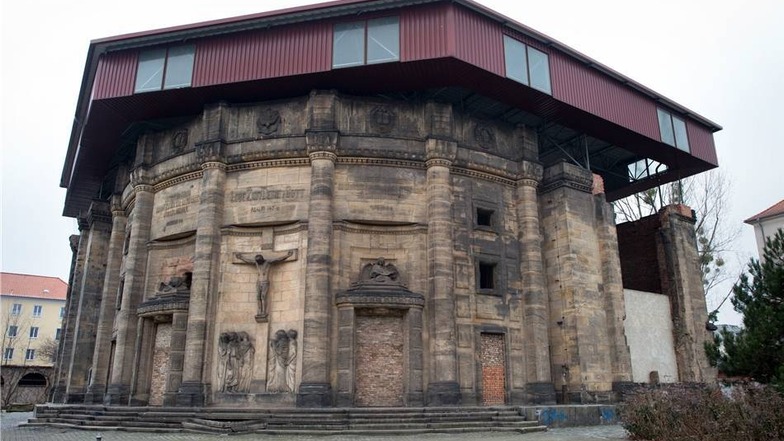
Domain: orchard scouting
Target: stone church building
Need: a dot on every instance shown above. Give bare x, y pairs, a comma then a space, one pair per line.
373, 203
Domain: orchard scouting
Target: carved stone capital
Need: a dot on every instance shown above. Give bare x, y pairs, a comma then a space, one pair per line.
530, 174
140, 177
210, 151
440, 149
321, 141
213, 165
568, 175
99, 213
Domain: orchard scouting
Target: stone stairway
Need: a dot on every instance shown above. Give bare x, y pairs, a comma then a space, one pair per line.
381, 421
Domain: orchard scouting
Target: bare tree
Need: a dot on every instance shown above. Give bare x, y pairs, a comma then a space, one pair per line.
47, 349
708, 195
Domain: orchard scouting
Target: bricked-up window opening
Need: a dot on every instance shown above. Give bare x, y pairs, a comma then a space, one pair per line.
484, 218
486, 275
366, 42
167, 68
493, 361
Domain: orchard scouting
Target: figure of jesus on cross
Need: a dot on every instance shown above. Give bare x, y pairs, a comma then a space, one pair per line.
262, 283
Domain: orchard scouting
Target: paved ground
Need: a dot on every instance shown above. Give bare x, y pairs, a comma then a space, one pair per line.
12, 432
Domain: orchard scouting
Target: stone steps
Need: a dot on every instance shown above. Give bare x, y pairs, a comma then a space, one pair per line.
289, 421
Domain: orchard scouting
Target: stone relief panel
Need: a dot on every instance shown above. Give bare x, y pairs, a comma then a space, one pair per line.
175, 210
282, 364
268, 120
275, 195
236, 355
169, 268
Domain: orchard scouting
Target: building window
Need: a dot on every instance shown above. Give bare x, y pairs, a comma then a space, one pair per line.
673, 130
484, 217
33, 331
366, 42
16, 309
30, 354
58, 333
486, 276
37, 309
645, 168
12, 330
167, 68
8, 353
62, 311
527, 65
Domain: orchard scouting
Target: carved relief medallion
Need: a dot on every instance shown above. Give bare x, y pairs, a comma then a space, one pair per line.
268, 121
484, 135
180, 140
382, 119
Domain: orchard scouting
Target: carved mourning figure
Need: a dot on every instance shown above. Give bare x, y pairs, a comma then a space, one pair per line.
262, 284
236, 353
176, 284
381, 272
282, 361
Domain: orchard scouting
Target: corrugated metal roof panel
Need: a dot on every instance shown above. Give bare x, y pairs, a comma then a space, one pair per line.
116, 74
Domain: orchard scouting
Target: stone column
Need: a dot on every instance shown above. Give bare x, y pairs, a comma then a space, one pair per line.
612, 291
65, 346
443, 388
111, 283
580, 346
133, 288
315, 389
539, 385
90, 289
682, 281
206, 260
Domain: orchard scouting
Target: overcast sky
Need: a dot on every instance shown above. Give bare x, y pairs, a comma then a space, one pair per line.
724, 60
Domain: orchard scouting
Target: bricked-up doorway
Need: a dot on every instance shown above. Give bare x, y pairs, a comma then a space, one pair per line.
492, 359
160, 363
379, 359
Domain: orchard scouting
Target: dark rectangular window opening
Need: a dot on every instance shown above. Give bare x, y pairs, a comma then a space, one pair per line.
486, 275
484, 217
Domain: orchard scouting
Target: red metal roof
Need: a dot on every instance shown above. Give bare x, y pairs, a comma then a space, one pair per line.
776, 210
274, 54
28, 285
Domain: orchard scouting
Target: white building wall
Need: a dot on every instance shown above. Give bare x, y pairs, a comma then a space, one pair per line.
649, 334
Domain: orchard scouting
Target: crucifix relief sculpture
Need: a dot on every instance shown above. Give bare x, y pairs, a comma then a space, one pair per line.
263, 265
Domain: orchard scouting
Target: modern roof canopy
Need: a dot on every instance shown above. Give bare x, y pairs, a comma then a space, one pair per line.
450, 51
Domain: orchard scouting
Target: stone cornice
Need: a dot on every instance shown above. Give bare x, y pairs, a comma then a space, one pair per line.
323, 155
386, 162
99, 213
213, 165
567, 175
394, 230
270, 163
173, 243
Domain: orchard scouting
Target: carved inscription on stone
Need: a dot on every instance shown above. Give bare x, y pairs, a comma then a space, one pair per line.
236, 353
282, 361
257, 194
252, 204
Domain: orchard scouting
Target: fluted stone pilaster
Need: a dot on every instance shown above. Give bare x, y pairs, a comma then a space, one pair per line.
539, 386
100, 362
90, 289
205, 271
133, 289
443, 388
315, 389
78, 243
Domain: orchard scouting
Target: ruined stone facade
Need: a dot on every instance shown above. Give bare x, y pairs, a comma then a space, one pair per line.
415, 256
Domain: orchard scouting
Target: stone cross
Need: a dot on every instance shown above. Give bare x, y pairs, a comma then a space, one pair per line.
263, 264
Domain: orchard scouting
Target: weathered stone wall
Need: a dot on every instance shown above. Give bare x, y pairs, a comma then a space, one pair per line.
449, 199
